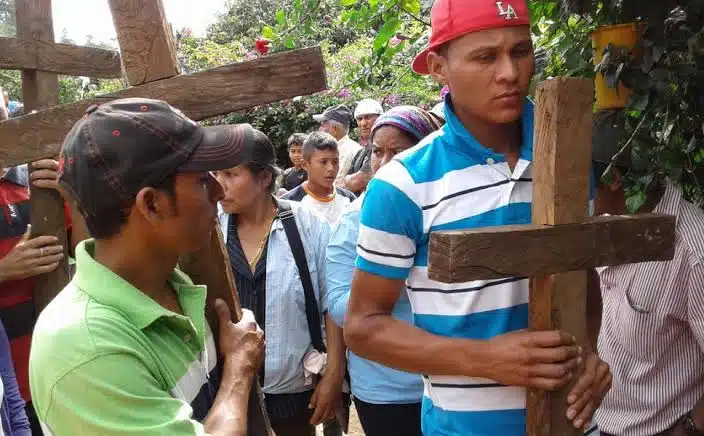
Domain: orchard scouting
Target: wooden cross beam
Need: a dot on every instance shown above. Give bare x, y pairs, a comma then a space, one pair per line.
73, 60
199, 95
561, 242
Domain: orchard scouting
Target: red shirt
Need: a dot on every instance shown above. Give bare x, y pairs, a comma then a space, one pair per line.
16, 305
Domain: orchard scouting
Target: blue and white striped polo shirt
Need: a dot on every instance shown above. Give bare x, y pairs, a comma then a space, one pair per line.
449, 181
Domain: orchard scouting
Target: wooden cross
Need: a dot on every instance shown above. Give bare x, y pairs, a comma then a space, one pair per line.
149, 63
561, 243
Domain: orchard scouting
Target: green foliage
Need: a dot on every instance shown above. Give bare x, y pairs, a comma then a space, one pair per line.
202, 53
7, 18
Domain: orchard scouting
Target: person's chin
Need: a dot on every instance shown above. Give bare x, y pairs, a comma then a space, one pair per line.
506, 115
228, 207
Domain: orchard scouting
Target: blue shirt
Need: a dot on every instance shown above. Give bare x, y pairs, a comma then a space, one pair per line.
448, 182
12, 413
371, 382
287, 337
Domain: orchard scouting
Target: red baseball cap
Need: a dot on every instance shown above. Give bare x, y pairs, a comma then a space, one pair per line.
451, 19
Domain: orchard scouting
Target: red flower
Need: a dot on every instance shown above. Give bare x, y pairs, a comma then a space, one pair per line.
262, 46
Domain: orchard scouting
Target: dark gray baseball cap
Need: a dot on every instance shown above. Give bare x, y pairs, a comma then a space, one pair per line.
122, 146
340, 113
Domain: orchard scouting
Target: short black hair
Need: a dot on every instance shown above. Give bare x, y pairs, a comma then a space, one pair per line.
263, 158
318, 141
296, 139
110, 221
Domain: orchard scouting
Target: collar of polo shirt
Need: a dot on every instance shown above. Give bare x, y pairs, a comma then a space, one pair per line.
111, 290
470, 145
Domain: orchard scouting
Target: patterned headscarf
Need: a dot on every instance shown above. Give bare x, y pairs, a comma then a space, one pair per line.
413, 120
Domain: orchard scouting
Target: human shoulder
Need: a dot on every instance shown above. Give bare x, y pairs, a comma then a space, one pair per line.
690, 228
296, 194
74, 329
345, 193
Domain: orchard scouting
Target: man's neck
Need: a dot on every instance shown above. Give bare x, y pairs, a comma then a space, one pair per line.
319, 190
501, 138
146, 269
262, 211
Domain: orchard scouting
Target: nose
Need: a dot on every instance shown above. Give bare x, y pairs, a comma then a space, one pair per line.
507, 69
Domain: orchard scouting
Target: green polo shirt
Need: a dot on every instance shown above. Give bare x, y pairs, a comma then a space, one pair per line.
108, 360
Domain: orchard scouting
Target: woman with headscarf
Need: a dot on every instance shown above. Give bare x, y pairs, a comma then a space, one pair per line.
387, 401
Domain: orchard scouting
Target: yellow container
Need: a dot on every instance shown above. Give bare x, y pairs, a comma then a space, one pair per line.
622, 36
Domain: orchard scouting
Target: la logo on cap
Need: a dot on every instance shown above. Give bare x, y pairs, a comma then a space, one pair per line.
509, 13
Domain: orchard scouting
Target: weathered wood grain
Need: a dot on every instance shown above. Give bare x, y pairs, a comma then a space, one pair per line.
491, 253
211, 267
146, 43
562, 149
200, 95
40, 90
17, 54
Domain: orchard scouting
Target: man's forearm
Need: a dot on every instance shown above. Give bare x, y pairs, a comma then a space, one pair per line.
400, 345
335, 348
228, 416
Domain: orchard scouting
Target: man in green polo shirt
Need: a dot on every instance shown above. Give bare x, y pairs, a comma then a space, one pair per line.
125, 348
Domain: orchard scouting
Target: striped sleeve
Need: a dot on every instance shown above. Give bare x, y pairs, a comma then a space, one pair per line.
390, 230
695, 303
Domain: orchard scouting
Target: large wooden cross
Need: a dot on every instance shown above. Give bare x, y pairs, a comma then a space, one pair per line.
561, 243
149, 62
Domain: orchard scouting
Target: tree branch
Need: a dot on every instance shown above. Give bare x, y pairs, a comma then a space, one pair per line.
425, 23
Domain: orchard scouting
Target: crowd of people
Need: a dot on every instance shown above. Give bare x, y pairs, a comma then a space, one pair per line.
329, 258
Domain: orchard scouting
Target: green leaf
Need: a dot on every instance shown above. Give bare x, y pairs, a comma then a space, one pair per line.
289, 42
412, 6
268, 32
636, 201
385, 33
281, 17
347, 3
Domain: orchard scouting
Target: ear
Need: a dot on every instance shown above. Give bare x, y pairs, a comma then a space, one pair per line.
152, 204
437, 65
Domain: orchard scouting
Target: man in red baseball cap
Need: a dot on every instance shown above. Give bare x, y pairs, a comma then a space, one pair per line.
469, 339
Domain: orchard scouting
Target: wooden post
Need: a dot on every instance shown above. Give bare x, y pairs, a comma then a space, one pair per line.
562, 161
211, 267
561, 241
146, 44
40, 91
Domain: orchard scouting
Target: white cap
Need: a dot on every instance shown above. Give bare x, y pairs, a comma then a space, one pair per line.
368, 106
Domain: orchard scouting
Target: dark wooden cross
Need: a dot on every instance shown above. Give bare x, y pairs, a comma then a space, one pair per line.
148, 60
562, 243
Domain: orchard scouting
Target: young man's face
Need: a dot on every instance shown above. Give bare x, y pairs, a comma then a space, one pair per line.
295, 153
322, 167
488, 72
193, 210
366, 122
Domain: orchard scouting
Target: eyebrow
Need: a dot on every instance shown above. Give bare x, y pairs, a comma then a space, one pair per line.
490, 46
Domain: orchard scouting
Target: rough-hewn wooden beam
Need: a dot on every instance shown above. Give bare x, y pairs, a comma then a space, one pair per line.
73, 60
211, 267
200, 95
562, 149
40, 91
490, 253
146, 43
